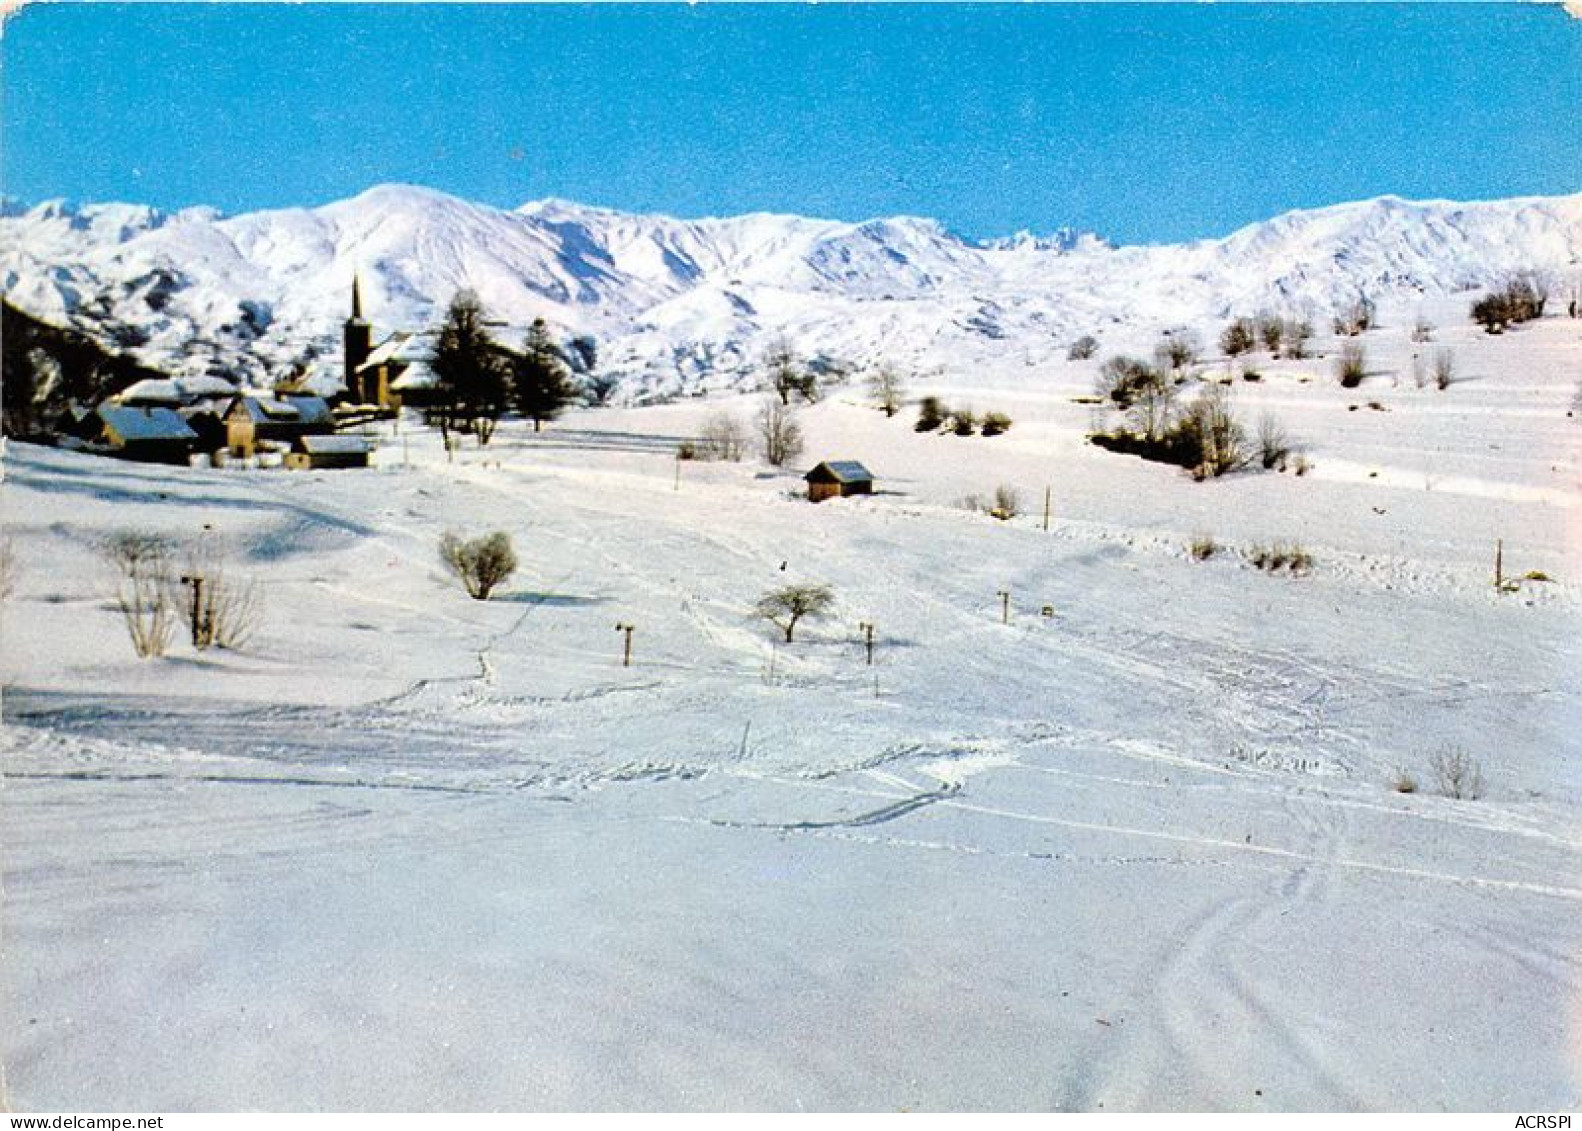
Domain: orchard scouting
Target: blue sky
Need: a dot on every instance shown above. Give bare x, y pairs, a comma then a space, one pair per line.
1142, 122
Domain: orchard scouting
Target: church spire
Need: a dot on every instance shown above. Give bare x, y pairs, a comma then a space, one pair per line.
357, 299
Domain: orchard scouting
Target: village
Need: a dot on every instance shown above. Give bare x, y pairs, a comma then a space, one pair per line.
300, 424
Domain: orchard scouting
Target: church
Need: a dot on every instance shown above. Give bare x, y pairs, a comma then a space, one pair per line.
378, 375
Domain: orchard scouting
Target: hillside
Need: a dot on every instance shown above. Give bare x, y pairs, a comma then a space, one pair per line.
1180, 843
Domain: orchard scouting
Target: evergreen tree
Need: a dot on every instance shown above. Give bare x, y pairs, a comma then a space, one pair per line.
543, 384
473, 381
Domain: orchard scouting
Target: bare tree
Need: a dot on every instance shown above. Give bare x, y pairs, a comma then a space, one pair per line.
723, 437
481, 563
786, 375
1444, 368
888, 388
786, 606
1151, 406
778, 432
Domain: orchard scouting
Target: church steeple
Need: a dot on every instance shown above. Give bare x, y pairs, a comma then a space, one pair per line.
357, 338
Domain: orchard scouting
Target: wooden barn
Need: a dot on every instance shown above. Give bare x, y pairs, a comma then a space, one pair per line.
837, 479
153, 435
317, 452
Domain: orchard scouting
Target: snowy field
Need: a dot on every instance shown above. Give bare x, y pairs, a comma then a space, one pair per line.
407, 850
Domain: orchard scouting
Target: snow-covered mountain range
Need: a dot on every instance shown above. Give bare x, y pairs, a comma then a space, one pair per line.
683, 304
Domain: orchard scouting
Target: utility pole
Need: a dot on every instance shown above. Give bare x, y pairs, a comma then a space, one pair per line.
1046, 508
867, 632
678, 470
1005, 606
626, 657
1499, 565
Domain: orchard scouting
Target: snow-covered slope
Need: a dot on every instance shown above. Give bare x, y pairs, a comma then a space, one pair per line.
683, 303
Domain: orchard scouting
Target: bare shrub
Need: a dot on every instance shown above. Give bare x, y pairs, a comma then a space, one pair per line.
995, 423
1274, 445
1458, 774
1007, 502
1521, 299
963, 422
779, 434
1177, 349
1403, 782
1351, 365
1209, 426
1238, 337
931, 414
481, 563
219, 610
143, 589
786, 606
1444, 368
723, 437
1202, 547
1295, 333
1271, 330
1120, 377
1083, 348
1355, 318
1290, 556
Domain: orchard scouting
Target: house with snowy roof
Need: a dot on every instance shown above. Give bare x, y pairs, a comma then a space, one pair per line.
316, 452
152, 434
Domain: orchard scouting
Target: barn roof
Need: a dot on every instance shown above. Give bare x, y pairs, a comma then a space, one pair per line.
334, 445
132, 425
840, 471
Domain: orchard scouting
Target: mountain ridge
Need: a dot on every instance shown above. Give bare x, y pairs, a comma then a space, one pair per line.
680, 305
